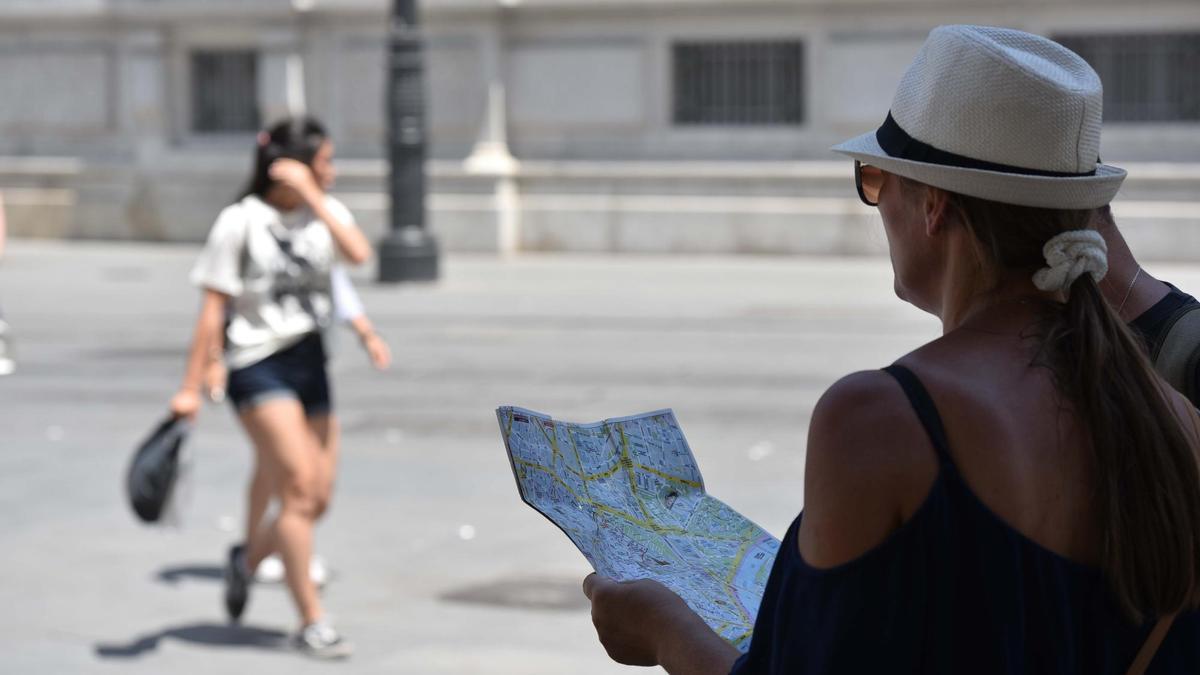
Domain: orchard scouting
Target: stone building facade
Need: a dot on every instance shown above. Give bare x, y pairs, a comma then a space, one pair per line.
580, 125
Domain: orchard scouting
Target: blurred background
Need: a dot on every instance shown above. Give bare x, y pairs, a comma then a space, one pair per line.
681, 126
635, 209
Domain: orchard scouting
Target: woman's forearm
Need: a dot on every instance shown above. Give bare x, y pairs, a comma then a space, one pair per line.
362, 326
207, 339
377, 349
346, 236
692, 648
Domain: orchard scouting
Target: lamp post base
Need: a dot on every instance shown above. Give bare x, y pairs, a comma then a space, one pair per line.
408, 254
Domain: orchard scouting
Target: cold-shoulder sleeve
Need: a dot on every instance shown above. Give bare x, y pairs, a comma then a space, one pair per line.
861, 617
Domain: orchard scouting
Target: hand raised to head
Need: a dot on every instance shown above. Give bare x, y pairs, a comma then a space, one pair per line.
296, 175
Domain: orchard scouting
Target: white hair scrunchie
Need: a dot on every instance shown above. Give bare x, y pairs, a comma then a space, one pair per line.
1068, 256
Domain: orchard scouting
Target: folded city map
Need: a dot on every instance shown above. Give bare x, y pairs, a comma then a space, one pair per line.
628, 493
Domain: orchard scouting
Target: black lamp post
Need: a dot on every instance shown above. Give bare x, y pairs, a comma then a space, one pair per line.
408, 252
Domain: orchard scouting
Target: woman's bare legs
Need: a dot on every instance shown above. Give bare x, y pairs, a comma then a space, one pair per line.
262, 484
328, 434
283, 438
262, 487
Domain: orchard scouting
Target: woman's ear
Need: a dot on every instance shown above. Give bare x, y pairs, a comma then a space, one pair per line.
935, 209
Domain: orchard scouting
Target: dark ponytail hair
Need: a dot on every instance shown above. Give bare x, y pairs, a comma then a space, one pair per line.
296, 138
1147, 482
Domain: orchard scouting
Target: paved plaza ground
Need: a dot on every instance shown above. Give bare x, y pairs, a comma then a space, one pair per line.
439, 568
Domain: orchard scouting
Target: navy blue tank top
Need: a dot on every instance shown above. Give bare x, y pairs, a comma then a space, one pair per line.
954, 590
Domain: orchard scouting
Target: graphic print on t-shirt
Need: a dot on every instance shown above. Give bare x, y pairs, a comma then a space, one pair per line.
296, 277
274, 267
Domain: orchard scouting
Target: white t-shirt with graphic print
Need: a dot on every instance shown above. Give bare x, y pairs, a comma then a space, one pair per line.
275, 267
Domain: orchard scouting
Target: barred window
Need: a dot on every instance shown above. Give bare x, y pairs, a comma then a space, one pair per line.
225, 91
739, 82
1147, 77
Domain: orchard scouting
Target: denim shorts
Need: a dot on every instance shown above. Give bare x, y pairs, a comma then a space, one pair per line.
297, 372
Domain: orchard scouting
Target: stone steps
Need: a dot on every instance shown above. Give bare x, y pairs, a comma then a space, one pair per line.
596, 207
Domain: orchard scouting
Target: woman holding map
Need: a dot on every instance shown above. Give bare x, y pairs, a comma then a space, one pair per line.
1020, 495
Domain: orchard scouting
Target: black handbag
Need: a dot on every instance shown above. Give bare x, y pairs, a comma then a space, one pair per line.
155, 468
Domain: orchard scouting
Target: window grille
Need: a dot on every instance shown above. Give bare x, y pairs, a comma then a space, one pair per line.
225, 91
1147, 77
738, 82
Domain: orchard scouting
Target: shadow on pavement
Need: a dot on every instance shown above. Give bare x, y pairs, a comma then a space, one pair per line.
216, 573
210, 634
177, 573
527, 592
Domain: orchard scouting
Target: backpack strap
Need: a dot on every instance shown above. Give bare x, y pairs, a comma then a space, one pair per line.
1178, 356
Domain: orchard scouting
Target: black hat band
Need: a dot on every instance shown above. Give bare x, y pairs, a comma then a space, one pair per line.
897, 143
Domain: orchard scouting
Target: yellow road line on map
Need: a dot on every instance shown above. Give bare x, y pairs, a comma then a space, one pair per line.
654, 527
647, 524
575, 451
555, 452
612, 470
729, 624
539, 467
549, 439
599, 506
737, 560
625, 457
604, 474
579, 460
583, 476
661, 474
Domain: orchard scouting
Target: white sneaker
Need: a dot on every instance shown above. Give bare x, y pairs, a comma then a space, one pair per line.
317, 571
320, 640
270, 570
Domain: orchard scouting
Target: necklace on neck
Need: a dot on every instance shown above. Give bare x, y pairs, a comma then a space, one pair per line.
1129, 290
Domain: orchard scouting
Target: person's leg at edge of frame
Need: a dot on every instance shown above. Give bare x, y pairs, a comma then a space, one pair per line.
279, 429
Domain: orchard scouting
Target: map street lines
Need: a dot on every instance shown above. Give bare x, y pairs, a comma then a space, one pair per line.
628, 493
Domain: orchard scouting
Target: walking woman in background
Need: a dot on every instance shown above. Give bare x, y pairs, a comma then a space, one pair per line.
348, 309
265, 275
1020, 495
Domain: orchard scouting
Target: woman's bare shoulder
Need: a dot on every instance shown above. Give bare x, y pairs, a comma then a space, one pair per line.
869, 466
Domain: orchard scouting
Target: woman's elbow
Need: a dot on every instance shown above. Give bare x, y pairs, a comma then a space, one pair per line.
358, 255
363, 256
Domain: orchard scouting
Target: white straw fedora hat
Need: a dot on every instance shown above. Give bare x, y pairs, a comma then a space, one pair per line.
997, 114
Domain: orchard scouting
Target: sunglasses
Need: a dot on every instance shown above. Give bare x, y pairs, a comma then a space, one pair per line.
869, 181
